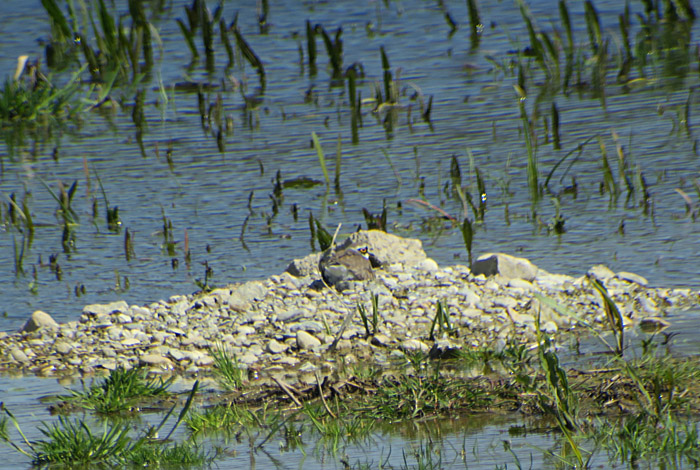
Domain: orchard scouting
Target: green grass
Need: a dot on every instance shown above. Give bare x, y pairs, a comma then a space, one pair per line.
335, 431
227, 372
121, 391
228, 418
637, 438
421, 394
71, 443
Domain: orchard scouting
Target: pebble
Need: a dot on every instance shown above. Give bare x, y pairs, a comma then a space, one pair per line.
306, 340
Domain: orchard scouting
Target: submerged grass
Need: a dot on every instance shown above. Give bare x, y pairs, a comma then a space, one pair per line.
228, 373
121, 391
69, 443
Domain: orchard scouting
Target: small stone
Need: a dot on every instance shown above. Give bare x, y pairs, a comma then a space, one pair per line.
380, 340
505, 302
344, 345
248, 359
428, 265
306, 340
155, 360
176, 354
19, 355
470, 297
290, 315
62, 347
307, 367
287, 360
521, 284
631, 277
108, 364
309, 326
549, 327
123, 318
246, 330
275, 347
653, 324
600, 272
204, 361
648, 305
414, 345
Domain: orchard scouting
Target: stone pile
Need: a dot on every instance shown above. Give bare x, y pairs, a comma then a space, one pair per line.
287, 323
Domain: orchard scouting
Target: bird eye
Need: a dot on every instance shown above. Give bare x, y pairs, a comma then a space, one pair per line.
363, 250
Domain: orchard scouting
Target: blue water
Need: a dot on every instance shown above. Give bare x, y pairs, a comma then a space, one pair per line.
475, 112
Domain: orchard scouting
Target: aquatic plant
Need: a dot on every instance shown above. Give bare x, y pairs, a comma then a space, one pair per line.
532, 171
228, 373
74, 443
125, 51
475, 25
468, 237
321, 157
441, 320
370, 328
334, 48
120, 391
612, 314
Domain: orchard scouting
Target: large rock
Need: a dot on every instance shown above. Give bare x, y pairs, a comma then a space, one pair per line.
387, 248
306, 266
38, 320
507, 266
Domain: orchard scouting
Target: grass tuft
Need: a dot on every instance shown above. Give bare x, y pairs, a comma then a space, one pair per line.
229, 375
121, 391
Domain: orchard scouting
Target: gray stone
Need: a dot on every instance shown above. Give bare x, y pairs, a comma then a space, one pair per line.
62, 347
123, 318
507, 266
648, 305
292, 314
310, 326
631, 277
414, 345
245, 330
105, 309
306, 340
380, 340
247, 359
275, 347
307, 266
39, 320
600, 272
204, 360
176, 354
249, 292
428, 265
521, 284
470, 297
505, 302
155, 360
386, 247
19, 355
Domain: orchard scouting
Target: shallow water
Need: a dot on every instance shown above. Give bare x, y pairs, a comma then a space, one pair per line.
477, 442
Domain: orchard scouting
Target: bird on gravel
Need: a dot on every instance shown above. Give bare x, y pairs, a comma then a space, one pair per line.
349, 264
